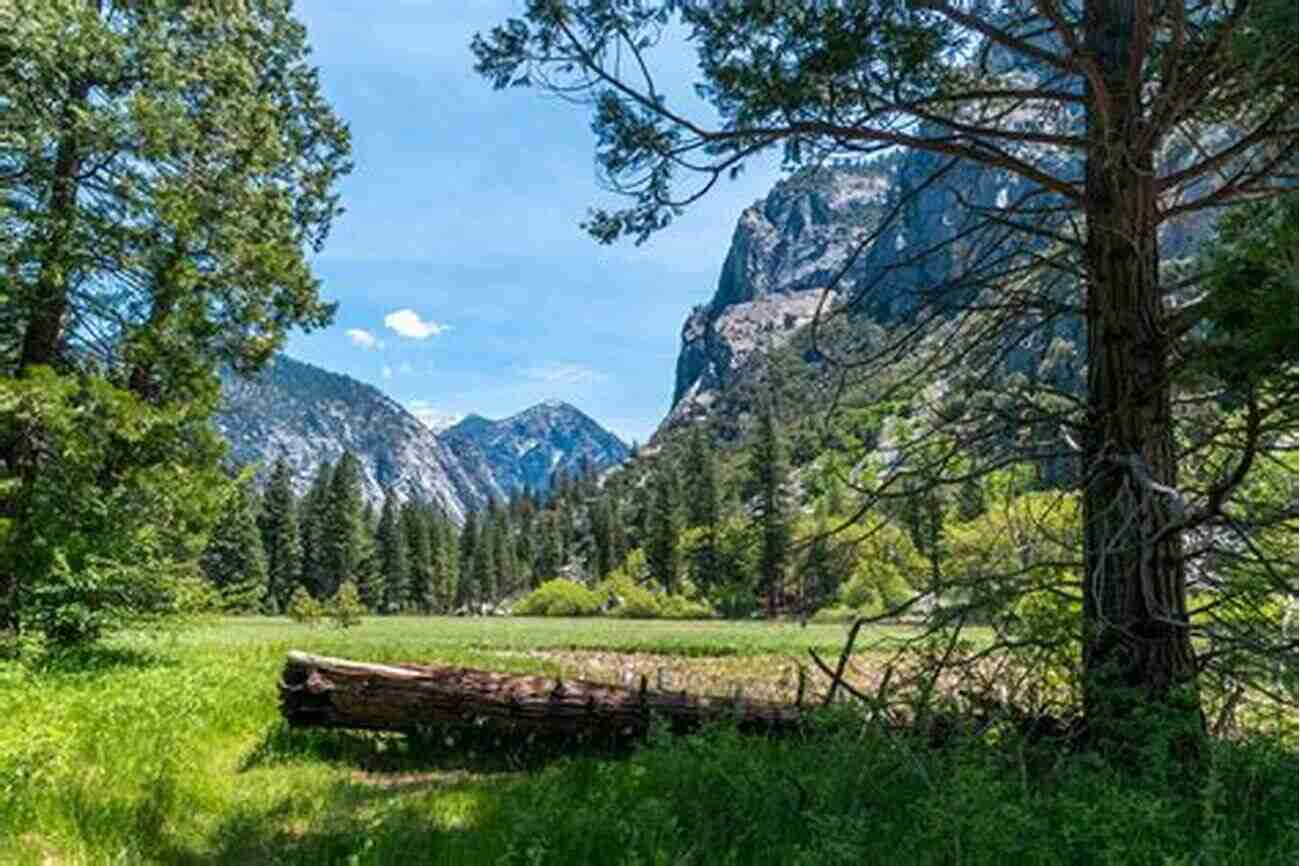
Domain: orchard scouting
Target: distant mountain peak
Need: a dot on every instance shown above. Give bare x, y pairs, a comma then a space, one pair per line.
528, 448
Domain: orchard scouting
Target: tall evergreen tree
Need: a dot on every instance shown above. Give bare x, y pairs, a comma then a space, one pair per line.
280, 539
482, 576
600, 520
704, 493
394, 561
768, 471
233, 560
313, 517
342, 541
416, 527
663, 540
447, 572
550, 549
503, 555
367, 575
468, 547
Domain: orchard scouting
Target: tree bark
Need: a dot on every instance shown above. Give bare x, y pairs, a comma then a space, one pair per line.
1137, 648
318, 691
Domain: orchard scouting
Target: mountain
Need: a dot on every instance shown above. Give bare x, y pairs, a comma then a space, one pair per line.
309, 415
527, 449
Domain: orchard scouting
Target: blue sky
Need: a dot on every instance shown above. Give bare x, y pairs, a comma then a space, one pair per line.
464, 283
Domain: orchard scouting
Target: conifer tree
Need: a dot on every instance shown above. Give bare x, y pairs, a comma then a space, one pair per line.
482, 577
768, 471
526, 523
469, 540
233, 560
447, 573
503, 556
342, 539
600, 520
280, 538
663, 539
704, 495
313, 512
394, 561
550, 552
416, 525
367, 575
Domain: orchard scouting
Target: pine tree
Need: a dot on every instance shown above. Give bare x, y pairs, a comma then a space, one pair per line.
768, 470
415, 526
447, 573
550, 550
367, 575
526, 524
503, 556
313, 513
704, 496
663, 540
342, 538
469, 540
394, 562
482, 577
233, 559
280, 538
600, 520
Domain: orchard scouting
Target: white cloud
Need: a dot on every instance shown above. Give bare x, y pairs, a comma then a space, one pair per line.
407, 323
364, 339
387, 372
562, 373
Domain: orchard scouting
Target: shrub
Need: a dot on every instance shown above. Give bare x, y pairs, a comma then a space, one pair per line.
345, 608
632, 601
838, 614
304, 608
559, 597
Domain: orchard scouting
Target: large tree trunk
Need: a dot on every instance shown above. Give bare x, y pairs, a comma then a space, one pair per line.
1136, 644
317, 691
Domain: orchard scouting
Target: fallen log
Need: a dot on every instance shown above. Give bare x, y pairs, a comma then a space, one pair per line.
319, 691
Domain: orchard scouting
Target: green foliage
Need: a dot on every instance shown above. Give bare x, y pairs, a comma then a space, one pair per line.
664, 526
394, 563
95, 769
1251, 313
304, 608
233, 560
559, 597
98, 550
345, 608
768, 475
887, 570
628, 597
281, 539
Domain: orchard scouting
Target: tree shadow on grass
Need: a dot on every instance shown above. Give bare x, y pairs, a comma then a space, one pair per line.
102, 659
443, 749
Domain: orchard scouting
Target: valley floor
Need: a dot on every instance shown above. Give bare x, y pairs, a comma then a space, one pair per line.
171, 751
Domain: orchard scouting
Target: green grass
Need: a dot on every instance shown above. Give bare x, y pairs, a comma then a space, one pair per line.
171, 752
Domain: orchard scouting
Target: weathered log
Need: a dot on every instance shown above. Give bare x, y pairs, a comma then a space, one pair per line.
318, 691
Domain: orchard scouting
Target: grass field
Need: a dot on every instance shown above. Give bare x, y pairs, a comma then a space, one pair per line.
171, 752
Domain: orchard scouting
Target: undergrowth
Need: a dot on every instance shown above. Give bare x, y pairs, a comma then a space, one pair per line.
173, 753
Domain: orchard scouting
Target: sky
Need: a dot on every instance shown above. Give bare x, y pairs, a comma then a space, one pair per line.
463, 281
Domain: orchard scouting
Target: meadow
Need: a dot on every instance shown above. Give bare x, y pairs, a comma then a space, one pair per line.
170, 750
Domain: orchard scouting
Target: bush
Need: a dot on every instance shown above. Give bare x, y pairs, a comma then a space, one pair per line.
838, 614
304, 608
559, 597
345, 608
631, 601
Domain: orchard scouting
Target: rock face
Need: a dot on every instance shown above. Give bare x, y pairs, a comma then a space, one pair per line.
786, 255
309, 415
826, 227
528, 449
